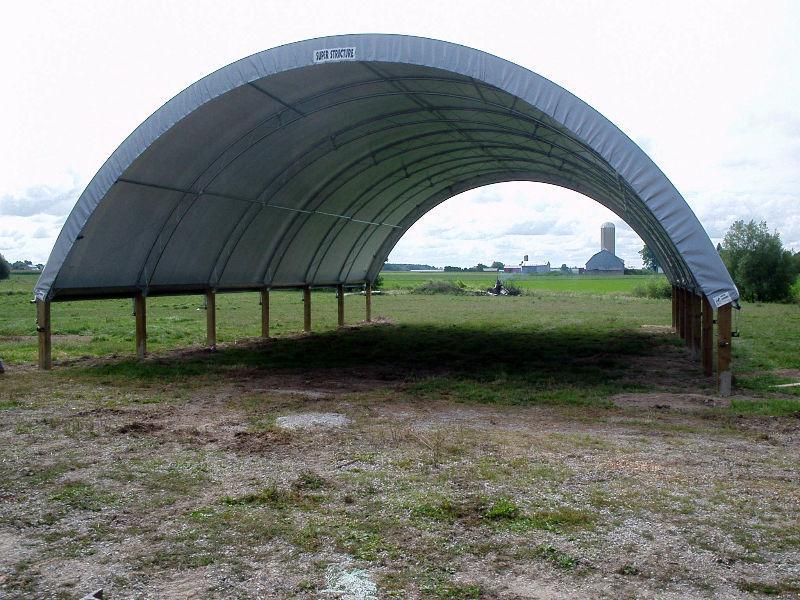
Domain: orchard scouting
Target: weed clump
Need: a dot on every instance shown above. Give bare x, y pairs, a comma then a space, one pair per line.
512, 288
443, 510
308, 480
558, 558
452, 288
80, 495
654, 287
268, 496
503, 509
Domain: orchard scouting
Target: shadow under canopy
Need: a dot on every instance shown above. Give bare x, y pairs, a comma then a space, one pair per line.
572, 365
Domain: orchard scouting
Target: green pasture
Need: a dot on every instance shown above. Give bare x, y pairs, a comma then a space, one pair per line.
568, 311
105, 327
400, 280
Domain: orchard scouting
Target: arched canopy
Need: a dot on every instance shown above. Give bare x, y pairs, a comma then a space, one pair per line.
305, 164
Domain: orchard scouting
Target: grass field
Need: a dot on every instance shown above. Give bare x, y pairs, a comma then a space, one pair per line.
558, 444
404, 280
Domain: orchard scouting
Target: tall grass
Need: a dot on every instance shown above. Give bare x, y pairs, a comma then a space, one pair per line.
455, 288
654, 287
795, 293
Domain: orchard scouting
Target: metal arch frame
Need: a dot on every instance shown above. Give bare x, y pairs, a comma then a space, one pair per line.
293, 107
371, 155
645, 196
277, 115
611, 192
321, 143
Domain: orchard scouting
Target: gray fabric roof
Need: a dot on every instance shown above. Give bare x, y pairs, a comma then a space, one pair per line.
605, 261
305, 164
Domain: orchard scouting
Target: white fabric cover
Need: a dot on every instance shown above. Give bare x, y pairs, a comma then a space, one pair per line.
305, 164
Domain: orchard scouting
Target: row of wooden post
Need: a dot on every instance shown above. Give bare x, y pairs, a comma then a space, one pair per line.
43, 325
693, 320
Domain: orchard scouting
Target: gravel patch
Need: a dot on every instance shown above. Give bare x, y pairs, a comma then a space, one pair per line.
353, 584
312, 420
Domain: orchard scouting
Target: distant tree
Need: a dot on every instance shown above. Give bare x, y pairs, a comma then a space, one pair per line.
449, 269
22, 265
479, 267
406, 267
758, 263
498, 265
5, 268
719, 248
649, 259
39, 267
565, 268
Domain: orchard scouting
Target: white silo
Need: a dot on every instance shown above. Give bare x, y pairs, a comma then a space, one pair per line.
607, 238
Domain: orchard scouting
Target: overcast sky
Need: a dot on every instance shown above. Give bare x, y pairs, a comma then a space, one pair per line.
711, 91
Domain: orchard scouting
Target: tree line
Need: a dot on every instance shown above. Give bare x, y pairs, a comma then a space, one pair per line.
762, 269
19, 265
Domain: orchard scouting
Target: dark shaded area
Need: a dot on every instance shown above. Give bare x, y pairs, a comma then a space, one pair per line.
564, 365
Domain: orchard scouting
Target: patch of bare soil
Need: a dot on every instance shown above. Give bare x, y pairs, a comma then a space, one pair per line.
138, 427
670, 368
203, 495
657, 328
787, 373
668, 401
312, 420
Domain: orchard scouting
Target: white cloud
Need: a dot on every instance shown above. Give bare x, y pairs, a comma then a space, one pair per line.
541, 227
39, 200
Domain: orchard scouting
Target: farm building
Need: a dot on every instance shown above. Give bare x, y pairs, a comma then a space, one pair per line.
528, 266
606, 262
532, 266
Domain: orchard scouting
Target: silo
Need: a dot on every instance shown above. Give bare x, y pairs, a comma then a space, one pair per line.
607, 241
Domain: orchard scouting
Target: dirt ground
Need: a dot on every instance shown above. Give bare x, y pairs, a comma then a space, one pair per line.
193, 490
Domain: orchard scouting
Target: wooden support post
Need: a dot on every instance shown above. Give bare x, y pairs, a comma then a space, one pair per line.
724, 329
687, 317
696, 327
707, 338
140, 311
265, 313
44, 334
307, 308
340, 303
679, 310
211, 320
368, 295
674, 308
